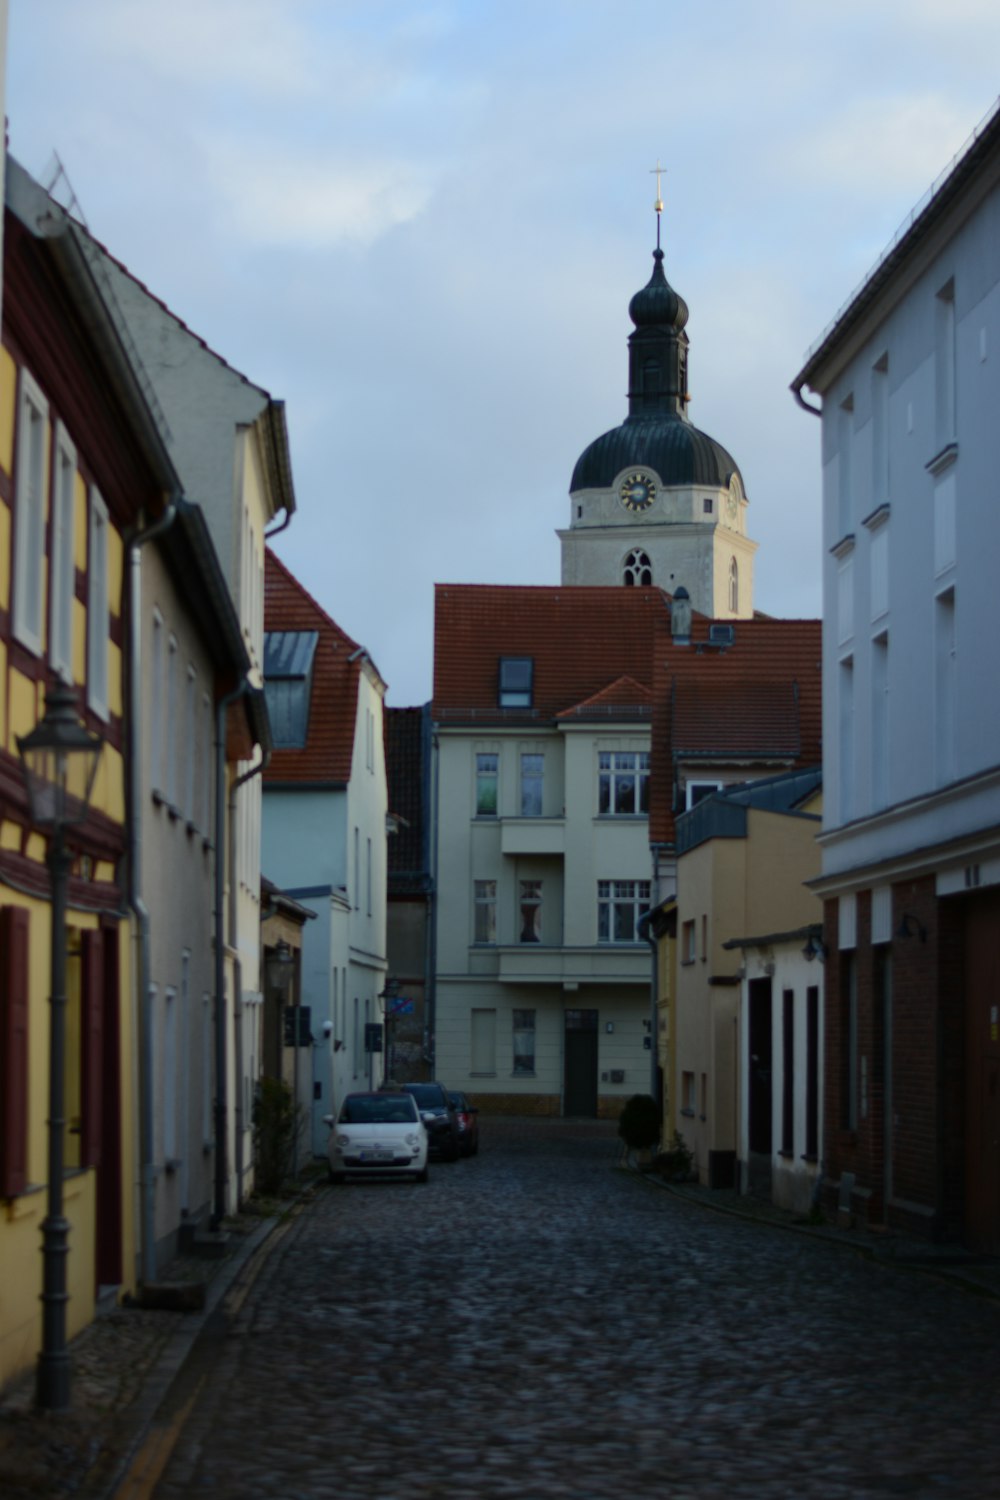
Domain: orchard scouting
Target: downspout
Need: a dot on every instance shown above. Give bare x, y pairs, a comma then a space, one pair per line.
140, 934
221, 1102
796, 391
432, 925
281, 526
239, 1121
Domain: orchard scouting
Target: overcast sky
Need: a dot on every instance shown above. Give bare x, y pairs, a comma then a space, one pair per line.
419, 223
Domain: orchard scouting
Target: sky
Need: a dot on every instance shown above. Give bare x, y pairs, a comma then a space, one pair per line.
419, 224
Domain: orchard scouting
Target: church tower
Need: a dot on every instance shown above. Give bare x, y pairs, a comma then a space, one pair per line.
656, 501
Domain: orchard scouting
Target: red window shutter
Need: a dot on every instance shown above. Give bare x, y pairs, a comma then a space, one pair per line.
13, 1050
91, 1063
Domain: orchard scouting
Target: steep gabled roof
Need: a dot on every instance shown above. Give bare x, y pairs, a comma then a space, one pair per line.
336, 667
585, 644
757, 701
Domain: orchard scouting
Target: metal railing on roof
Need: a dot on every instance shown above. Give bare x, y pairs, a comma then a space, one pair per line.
919, 208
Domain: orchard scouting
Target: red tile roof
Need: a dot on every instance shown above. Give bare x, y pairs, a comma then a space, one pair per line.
329, 747
586, 645
622, 694
758, 700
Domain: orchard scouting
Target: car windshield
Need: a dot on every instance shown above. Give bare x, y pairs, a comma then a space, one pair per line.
457, 1101
427, 1095
378, 1109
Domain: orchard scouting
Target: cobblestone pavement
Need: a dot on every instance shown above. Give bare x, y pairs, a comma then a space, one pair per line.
535, 1323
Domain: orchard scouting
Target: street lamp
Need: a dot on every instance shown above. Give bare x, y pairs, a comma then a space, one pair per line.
59, 760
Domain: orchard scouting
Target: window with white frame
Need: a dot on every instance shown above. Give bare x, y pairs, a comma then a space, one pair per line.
97, 607
487, 767
945, 661
29, 514
356, 903
524, 1043
734, 585
486, 911
880, 430
620, 904
880, 721
190, 742
170, 736
845, 708
944, 522
62, 570
368, 878
689, 940
944, 365
697, 791
878, 562
516, 681
845, 598
531, 911
532, 783
157, 697
622, 782
845, 457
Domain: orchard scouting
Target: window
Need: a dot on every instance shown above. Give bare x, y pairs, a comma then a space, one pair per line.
944, 523
29, 519
878, 562
706, 505
368, 879
703, 1101
845, 436
170, 725
880, 722
516, 674
531, 911
208, 766
846, 738
704, 938
486, 785
812, 1072
356, 903
787, 1072
638, 570
157, 698
687, 1093
623, 782
524, 1042
483, 1041
532, 774
734, 586
486, 911
288, 669
62, 575
97, 608
944, 365
169, 1076
620, 904
944, 687
190, 742
880, 431
688, 941
845, 599
697, 791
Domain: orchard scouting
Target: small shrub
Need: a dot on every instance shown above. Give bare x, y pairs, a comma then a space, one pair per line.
639, 1123
676, 1164
276, 1122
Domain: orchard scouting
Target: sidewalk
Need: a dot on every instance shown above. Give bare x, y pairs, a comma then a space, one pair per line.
122, 1367
979, 1274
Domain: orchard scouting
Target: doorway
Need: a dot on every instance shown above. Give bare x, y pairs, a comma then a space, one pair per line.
759, 1102
580, 1052
982, 1073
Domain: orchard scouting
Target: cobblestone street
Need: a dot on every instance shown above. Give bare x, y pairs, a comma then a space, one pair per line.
536, 1323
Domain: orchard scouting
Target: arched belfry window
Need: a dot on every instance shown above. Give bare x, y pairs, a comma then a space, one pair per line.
734, 586
638, 569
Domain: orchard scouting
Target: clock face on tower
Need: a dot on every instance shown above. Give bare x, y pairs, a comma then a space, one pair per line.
637, 491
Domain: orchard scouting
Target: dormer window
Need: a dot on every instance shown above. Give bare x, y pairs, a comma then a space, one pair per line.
288, 664
516, 675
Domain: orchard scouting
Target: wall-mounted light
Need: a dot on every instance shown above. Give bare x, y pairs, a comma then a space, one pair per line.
609, 1027
911, 926
814, 948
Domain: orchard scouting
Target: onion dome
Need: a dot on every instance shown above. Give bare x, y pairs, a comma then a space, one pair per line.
657, 302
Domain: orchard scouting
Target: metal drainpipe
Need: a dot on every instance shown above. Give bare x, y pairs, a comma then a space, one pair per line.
432, 968
796, 390
239, 1122
221, 1102
140, 937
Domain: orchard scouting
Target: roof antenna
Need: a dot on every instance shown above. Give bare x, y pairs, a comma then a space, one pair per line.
658, 172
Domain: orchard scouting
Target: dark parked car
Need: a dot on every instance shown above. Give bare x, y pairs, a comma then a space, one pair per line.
468, 1122
438, 1116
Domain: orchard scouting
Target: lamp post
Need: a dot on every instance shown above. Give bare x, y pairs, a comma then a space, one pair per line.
59, 761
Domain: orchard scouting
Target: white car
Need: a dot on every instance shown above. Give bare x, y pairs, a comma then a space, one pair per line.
379, 1135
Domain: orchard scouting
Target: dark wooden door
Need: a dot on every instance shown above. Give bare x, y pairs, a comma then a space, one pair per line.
982, 1060
580, 1083
759, 1092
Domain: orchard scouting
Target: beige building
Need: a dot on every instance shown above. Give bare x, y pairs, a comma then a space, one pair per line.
742, 857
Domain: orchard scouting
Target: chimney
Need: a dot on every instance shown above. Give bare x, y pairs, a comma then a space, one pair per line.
680, 617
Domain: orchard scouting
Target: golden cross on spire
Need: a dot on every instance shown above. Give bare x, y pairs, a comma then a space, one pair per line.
657, 172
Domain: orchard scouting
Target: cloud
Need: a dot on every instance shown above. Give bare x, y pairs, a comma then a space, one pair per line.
875, 142
303, 200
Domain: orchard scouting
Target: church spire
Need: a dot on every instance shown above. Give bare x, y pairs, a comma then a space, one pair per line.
658, 348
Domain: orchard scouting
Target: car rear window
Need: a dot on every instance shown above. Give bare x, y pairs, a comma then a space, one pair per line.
379, 1109
427, 1095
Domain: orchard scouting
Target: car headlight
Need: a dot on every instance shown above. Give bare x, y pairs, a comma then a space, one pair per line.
341, 1141
412, 1139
